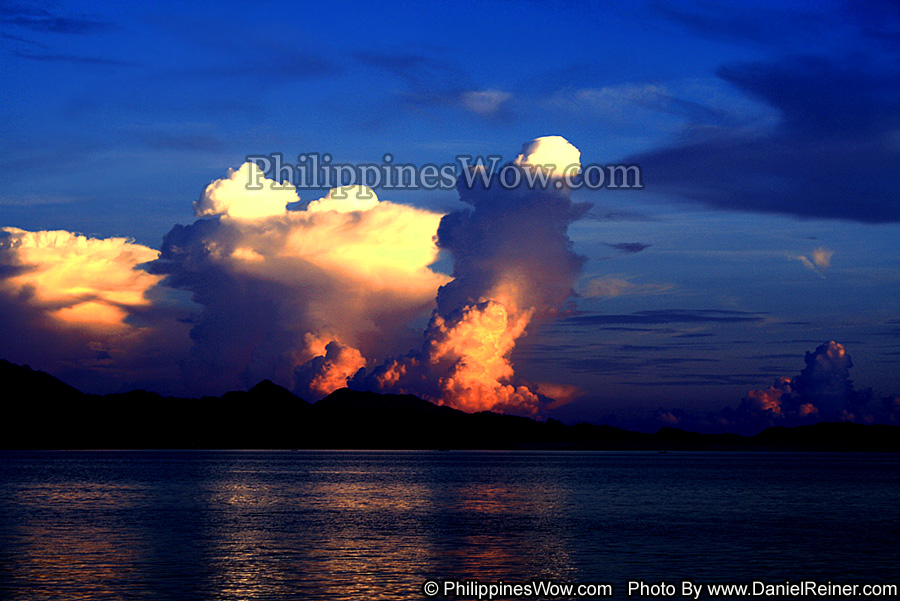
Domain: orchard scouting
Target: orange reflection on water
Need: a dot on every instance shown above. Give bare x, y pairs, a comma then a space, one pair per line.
238, 548
243, 526
376, 545
65, 534
514, 535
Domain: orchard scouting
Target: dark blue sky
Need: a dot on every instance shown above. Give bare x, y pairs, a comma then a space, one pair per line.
768, 134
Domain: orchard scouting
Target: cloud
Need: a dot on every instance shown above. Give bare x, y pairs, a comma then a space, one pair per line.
762, 401
825, 380
88, 282
513, 243
330, 368
546, 151
345, 199
618, 215
15, 38
818, 261
73, 59
610, 287
757, 24
419, 70
821, 258
301, 297
663, 107
562, 394
484, 102
665, 316
231, 196
611, 98
489, 104
315, 298
629, 247
832, 154
79, 306
626, 104
822, 391
39, 17
513, 264
464, 362
432, 81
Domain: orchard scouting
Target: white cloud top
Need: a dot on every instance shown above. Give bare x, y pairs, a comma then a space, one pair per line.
549, 150
231, 196
345, 199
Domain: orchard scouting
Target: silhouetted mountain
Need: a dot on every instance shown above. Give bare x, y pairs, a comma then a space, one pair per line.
39, 411
20, 382
33, 397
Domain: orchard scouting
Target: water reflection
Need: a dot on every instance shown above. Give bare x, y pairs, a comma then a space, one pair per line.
497, 531
70, 535
376, 525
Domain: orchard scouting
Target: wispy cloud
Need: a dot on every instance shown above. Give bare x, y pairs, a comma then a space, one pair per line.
611, 287
15, 38
833, 154
73, 59
666, 316
767, 26
433, 81
818, 261
629, 247
42, 17
484, 102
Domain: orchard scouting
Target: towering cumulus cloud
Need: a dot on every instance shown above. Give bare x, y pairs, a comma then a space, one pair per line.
304, 297
76, 280
314, 298
822, 390
79, 305
513, 263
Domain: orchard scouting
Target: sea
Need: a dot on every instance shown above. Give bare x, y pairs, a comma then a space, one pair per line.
367, 525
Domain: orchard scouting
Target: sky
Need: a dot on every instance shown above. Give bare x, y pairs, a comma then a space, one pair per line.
753, 280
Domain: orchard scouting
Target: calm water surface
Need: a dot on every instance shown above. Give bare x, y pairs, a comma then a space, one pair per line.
376, 525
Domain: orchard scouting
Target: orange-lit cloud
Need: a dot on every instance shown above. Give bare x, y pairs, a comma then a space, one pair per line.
329, 367
79, 281
766, 400
467, 353
807, 409
74, 305
819, 260
561, 394
513, 264
349, 268
314, 297
823, 389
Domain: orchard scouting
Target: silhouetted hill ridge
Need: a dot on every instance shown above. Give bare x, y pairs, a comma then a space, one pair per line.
41, 412
20, 380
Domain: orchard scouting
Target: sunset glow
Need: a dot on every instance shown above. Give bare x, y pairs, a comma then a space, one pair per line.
639, 225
